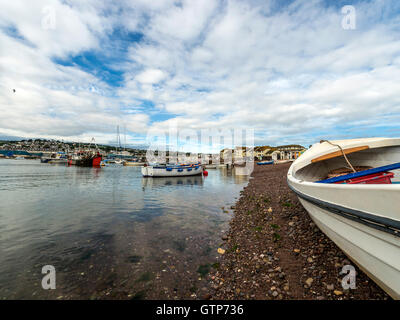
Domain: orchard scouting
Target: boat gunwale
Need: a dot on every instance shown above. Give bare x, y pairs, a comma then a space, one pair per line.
373, 143
389, 186
378, 222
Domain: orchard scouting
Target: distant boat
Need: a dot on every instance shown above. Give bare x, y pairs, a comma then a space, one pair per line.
86, 159
19, 158
171, 170
119, 161
58, 161
283, 161
103, 163
133, 163
89, 160
346, 186
265, 162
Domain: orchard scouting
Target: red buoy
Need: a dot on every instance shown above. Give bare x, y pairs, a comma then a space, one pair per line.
205, 173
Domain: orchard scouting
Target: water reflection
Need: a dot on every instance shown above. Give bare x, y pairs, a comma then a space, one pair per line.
157, 182
109, 232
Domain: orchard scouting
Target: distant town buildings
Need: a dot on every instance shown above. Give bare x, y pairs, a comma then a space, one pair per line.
258, 153
46, 147
40, 147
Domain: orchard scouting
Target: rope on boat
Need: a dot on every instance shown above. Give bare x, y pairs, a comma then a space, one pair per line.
344, 155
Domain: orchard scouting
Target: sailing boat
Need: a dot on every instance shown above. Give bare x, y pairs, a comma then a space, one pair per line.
118, 160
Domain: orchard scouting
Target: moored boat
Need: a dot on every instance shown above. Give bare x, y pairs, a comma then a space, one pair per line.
348, 188
260, 163
86, 159
171, 170
119, 161
283, 161
133, 163
58, 161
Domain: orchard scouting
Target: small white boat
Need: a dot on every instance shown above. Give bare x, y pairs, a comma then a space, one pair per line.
171, 171
119, 161
58, 161
283, 161
359, 211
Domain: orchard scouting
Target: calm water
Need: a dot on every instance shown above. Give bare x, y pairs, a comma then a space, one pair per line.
109, 233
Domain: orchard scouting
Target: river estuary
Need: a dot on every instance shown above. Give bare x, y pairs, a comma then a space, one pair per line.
109, 232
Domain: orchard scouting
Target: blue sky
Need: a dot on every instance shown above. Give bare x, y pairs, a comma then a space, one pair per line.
286, 69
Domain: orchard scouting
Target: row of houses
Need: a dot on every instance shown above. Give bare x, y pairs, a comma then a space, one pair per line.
285, 152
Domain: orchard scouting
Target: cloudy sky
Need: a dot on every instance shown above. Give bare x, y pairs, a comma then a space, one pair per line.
286, 69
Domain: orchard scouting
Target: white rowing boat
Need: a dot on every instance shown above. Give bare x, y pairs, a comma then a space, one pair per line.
171, 171
133, 164
363, 219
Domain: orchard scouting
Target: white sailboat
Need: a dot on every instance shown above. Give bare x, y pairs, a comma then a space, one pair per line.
359, 211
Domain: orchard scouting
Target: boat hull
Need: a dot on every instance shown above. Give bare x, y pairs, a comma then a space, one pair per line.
133, 164
261, 163
362, 220
88, 162
175, 172
58, 161
356, 240
96, 161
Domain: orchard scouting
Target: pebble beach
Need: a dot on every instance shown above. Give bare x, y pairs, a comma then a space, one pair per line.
273, 250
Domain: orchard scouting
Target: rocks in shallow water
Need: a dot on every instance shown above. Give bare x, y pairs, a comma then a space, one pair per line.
204, 269
134, 259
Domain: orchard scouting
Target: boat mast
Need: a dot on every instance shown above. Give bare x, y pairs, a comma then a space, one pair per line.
116, 147
124, 137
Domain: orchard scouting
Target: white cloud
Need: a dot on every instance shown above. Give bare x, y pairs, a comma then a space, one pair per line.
293, 72
151, 76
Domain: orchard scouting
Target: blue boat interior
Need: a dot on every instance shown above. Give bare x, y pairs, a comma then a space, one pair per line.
363, 173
